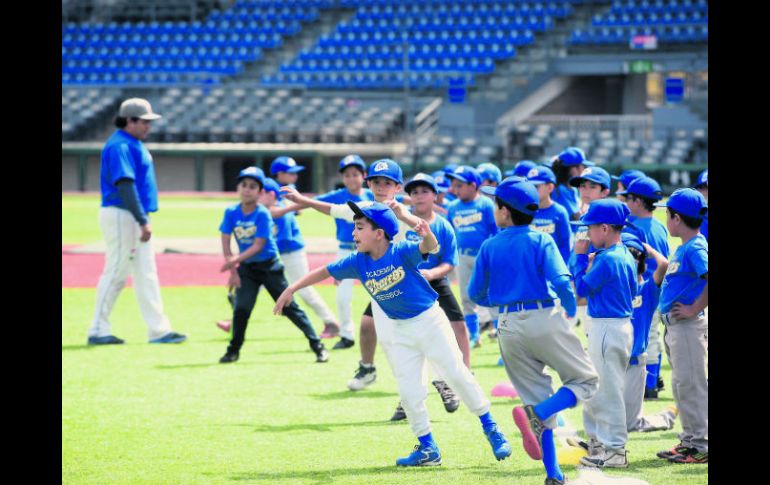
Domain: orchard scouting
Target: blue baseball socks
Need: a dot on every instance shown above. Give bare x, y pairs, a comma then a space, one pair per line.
653, 371
472, 322
562, 399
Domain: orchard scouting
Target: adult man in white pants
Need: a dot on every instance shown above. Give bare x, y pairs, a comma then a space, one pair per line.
129, 193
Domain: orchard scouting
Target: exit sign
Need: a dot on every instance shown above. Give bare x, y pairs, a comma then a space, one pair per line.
640, 67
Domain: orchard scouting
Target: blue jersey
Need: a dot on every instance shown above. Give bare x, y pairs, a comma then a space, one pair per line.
504, 275
473, 222
567, 197
445, 235
126, 157
554, 220
652, 232
684, 280
344, 228
286, 232
704, 227
611, 285
393, 280
249, 227
643, 305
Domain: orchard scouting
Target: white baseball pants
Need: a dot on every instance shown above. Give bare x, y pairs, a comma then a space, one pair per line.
125, 253
464, 271
295, 267
345, 301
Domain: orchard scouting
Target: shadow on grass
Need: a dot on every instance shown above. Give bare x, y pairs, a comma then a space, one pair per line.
333, 396
654, 462
489, 366
502, 402
202, 364
284, 428
655, 435
76, 347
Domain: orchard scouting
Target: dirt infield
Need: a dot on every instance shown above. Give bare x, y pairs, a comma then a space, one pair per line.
82, 270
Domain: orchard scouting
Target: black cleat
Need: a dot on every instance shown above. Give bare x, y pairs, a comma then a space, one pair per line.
399, 414
230, 356
448, 396
344, 343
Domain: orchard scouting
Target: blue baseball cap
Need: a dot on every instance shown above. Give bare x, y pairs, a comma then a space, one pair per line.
252, 172
272, 186
541, 175
489, 171
421, 179
450, 167
522, 168
688, 202
442, 182
571, 156
352, 160
593, 174
643, 187
377, 212
466, 174
631, 241
628, 176
285, 164
517, 192
703, 179
604, 211
387, 168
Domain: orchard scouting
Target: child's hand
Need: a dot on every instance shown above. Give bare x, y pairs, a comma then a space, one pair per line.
680, 311
234, 281
590, 261
283, 301
581, 246
397, 208
291, 193
422, 228
232, 262
427, 274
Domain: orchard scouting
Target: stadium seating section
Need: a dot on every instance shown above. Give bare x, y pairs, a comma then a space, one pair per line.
81, 108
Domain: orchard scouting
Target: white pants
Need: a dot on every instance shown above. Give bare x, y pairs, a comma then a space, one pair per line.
295, 267
408, 344
125, 253
604, 415
345, 301
633, 392
464, 271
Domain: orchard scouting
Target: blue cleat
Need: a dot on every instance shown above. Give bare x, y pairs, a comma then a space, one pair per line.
106, 340
170, 338
500, 362
500, 445
423, 456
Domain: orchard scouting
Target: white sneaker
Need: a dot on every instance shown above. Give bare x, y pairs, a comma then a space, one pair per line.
607, 459
363, 377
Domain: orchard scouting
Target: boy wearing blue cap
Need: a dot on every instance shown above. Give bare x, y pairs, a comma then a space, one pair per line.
641, 196
624, 180
473, 219
257, 264
385, 179
490, 174
550, 218
608, 279
702, 186
532, 333
285, 170
683, 299
569, 163
410, 323
442, 184
353, 170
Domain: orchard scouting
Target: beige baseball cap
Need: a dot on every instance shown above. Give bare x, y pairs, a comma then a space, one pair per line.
137, 108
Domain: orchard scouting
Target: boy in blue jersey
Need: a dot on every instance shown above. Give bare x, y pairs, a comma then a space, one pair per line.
550, 218
568, 164
353, 170
532, 333
683, 299
641, 196
624, 180
285, 170
702, 186
473, 219
410, 324
257, 264
608, 279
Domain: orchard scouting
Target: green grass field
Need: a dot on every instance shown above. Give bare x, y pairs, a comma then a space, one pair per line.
171, 414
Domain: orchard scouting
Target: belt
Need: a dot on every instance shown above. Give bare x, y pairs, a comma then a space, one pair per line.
347, 245
669, 319
526, 305
469, 251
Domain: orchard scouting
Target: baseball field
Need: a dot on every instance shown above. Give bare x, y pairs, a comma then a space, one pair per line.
171, 414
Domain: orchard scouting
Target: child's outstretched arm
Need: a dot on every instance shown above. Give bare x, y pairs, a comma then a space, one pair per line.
293, 195
277, 212
310, 279
402, 214
233, 262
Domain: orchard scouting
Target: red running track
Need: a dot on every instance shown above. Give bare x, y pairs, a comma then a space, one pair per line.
82, 270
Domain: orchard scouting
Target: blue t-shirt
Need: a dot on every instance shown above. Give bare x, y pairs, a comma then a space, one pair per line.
652, 232
612, 283
473, 222
517, 265
286, 232
684, 280
246, 228
643, 308
554, 220
445, 235
567, 197
341, 196
124, 156
393, 280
